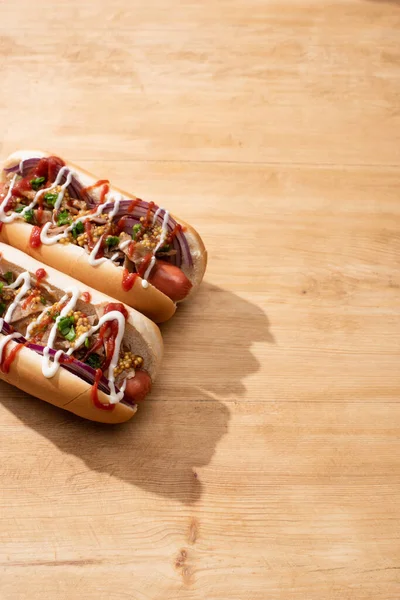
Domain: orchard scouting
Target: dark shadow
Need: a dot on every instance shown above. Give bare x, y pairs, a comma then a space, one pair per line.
178, 428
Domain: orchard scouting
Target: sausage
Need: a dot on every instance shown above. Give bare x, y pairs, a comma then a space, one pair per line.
170, 280
138, 387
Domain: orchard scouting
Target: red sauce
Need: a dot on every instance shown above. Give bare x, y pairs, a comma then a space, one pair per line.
88, 229
132, 205
122, 223
95, 396
28, 299
176, 229
52, 163
128, 279
102, 182
21, 186
86, 297
148, 214
40, 274
6, 364
144, 264
34, 240
46, 167
116, 306
39, 214
131, 248
66, 359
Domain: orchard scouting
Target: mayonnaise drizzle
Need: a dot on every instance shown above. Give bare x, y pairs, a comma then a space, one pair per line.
124, 244
14, 215
49, 369
164, 232
26, 279
114, 315
3, 217
5, 340
117, 200
92, 256
53, 239
51, 365
63, 187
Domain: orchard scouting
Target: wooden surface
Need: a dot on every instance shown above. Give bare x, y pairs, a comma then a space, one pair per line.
266, 464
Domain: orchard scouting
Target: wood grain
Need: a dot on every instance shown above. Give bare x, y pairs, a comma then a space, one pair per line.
266, 463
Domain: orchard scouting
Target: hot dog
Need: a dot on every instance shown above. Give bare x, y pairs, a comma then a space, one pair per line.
130, 249
71, 345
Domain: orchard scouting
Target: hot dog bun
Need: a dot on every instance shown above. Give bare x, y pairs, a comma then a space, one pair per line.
73, 260
65, 389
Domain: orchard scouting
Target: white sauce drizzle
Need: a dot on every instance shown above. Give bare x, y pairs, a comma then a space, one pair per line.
14, 215
117, 200
63, 187
50, 240
49, 369
164, 232
92, 256
124, 244
111, 316
5, 340
51, 365
3, 217
26, 279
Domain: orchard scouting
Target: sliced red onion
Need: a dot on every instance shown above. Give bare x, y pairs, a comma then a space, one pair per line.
84, 371
12, 169
180, 244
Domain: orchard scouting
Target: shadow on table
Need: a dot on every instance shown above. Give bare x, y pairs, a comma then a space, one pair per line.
178, 428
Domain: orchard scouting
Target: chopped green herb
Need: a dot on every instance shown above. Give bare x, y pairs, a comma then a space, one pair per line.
135, 230
54, 316
71, 335
78, 228
51, 198
28, 216
65, 323
112, 240
8, 277
63, 218
37, 182
94, 361
19, 209
1, 286
87, 343
66, 327
42, 299
2, 308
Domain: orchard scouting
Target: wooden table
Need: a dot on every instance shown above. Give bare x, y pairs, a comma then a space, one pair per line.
266, 464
